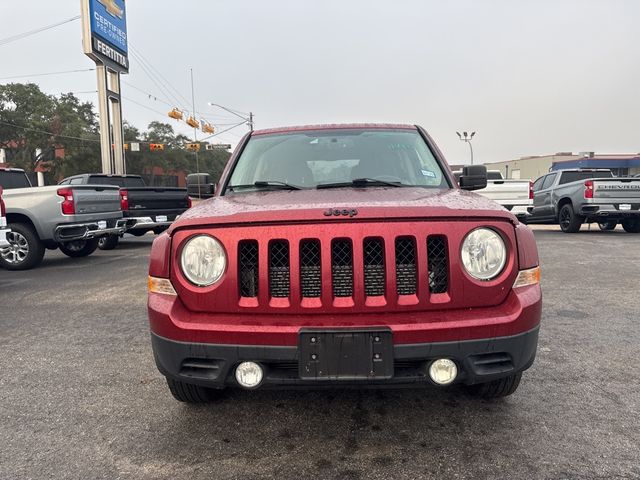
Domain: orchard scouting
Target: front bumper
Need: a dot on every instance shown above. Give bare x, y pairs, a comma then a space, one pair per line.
152, 222
3, 237
478, 361
204, 348
89, 230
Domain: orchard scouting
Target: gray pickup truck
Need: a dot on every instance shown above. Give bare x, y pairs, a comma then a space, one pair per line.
71, 218
573, 197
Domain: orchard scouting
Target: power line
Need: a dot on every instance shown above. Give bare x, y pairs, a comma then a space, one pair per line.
20, 36
144, 106
49, 73
223, 131
48, 133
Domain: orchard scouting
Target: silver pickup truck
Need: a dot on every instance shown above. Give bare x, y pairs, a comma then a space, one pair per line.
71, 218
573, 197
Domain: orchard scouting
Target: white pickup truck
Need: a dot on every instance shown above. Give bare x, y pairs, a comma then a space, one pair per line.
3, 223
514, 195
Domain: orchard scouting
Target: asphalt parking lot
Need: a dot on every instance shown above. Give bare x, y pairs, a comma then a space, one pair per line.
80, 397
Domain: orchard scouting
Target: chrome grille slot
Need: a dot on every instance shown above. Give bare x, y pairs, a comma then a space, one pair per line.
279, 278
406, 283
342, 267
437, 264
374, 268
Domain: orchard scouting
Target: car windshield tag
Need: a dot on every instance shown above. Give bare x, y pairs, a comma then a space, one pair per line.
161, 218
625, 206
102, 225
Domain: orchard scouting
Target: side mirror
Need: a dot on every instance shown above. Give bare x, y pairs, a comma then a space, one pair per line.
474, 177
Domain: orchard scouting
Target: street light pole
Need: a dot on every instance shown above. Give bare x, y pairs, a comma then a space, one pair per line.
465, 137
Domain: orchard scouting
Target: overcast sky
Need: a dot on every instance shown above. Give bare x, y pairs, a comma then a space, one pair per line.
530, 77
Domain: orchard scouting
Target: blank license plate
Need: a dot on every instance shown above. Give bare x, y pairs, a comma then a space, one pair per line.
345, 355
625, 206
161, 218
102, 225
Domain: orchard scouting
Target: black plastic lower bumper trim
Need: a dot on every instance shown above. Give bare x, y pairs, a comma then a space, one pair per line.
212, 365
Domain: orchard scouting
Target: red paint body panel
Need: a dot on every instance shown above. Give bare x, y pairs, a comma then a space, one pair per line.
464, 292
520, 312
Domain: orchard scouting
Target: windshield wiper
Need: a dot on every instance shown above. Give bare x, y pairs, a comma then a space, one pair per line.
270, 184
363, 182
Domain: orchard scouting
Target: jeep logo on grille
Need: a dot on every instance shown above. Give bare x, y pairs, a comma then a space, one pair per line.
337, 212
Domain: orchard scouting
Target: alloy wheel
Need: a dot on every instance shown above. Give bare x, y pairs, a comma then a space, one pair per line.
17, 250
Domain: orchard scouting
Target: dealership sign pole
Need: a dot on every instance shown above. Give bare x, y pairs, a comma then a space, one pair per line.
104, 27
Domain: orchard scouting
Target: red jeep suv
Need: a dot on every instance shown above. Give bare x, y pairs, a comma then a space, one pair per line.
344, 255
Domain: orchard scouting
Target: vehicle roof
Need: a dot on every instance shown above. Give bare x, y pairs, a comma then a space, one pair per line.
334, 126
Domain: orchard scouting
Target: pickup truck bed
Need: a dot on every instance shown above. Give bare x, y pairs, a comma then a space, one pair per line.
572, 197
145, 208
71, 218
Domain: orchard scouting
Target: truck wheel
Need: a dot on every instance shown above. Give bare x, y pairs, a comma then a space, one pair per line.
189, 393
79, 248
109, 242
25, 250
569, 221
607, 226
137, 233
631, 225
502, 387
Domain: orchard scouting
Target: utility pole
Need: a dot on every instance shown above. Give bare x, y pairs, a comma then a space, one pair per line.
251, 121
195, 132
465, 137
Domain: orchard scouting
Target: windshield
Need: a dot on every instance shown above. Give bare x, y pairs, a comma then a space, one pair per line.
334, 157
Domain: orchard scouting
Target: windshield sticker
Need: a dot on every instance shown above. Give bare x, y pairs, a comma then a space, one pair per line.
428, 173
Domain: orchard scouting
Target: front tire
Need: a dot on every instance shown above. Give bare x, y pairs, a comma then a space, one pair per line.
79, 248
569, 221
502, 387
189, 393
631, 225
25, 249
607, 226
109, 242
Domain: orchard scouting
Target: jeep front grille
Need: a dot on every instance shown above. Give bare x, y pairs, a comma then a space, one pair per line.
407, 267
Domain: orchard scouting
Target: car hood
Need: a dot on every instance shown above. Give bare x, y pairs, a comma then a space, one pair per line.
354, 204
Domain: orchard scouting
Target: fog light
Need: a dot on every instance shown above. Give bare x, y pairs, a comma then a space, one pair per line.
443, 371
249, 374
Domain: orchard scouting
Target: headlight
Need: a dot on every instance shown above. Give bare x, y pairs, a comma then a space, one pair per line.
483, 254
203, 260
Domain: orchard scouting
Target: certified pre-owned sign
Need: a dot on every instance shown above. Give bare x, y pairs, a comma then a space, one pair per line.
105, 23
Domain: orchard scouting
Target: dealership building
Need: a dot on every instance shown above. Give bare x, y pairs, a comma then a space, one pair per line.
534, 167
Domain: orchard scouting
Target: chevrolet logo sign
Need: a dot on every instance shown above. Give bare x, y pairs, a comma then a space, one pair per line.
113, 8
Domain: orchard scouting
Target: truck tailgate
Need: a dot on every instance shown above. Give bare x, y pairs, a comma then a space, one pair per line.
90, 199
512, 192
617, 190
157, 199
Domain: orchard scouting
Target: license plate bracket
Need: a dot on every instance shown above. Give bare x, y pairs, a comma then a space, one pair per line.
345, 354
102, 225
625, 206
161, 218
